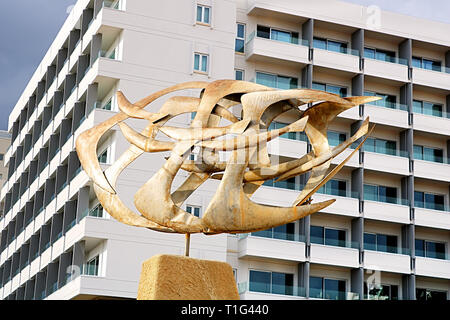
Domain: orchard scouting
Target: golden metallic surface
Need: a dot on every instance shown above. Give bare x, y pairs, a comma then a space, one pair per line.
249, 165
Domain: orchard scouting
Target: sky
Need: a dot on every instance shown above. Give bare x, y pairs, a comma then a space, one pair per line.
28, 27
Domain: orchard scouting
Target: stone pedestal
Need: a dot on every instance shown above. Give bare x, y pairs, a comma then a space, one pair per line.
171, 277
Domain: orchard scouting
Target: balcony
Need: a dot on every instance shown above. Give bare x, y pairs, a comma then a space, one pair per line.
439, 123
396, 261
265, 291
347, 60
276, 246
432, 170
393, 210
432, 78
397, 163
392, 115
262, 49
432, 218
429, 267
343, 254
346, 203
395, 69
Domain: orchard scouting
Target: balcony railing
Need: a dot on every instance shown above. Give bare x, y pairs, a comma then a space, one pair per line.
391, 60
389, 105
442, 69
370, 197
294, 41
263, 287
271, 234
388, 249
342, 50
335, 242
111, 4
332, 294
431, 206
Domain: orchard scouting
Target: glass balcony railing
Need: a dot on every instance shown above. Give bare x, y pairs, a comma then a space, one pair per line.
386, 151
371, 197
71, 224
112, 4
90, 269
332, 294
387, 249
389, 105
53, 288
271, 234
263, 287
431, 206
335, 242
340, 49
431, 254
290, 40
389, 59
339, 192
435, 68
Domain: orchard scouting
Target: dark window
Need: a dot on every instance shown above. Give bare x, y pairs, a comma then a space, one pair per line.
271, 282
340, 91
380, 292
240, 38
336, 138
426, 295
380, 242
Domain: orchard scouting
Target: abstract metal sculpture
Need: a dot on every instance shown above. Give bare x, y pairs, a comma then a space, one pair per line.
231, 209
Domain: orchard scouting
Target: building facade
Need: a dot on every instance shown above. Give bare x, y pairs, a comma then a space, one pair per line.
387, 235
5, 141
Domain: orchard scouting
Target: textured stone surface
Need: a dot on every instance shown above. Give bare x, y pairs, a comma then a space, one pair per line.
171, 277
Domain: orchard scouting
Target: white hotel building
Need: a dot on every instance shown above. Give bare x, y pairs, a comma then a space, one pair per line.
391, 220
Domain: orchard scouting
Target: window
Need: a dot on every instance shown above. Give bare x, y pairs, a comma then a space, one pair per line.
380, 292
380, 193
290, 184
203, 14
276, 34
106, 106
1, 156
433, 295
428, 64
429, 201
335, 188
328, 236
428, 108
428, 154
336, 138
380, 242
387, 100
240, 38
239, 74
378, 54
380, 146
323, 288
103, 157
91, 267
430, 249
193, 210
330, 45
340, 91
201, 62
271, 282
284, 232
97, 211
276, 81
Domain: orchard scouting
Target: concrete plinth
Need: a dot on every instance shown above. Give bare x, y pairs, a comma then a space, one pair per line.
170, 277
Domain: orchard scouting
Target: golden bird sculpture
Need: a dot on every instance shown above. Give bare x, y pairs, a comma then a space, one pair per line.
248, 166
